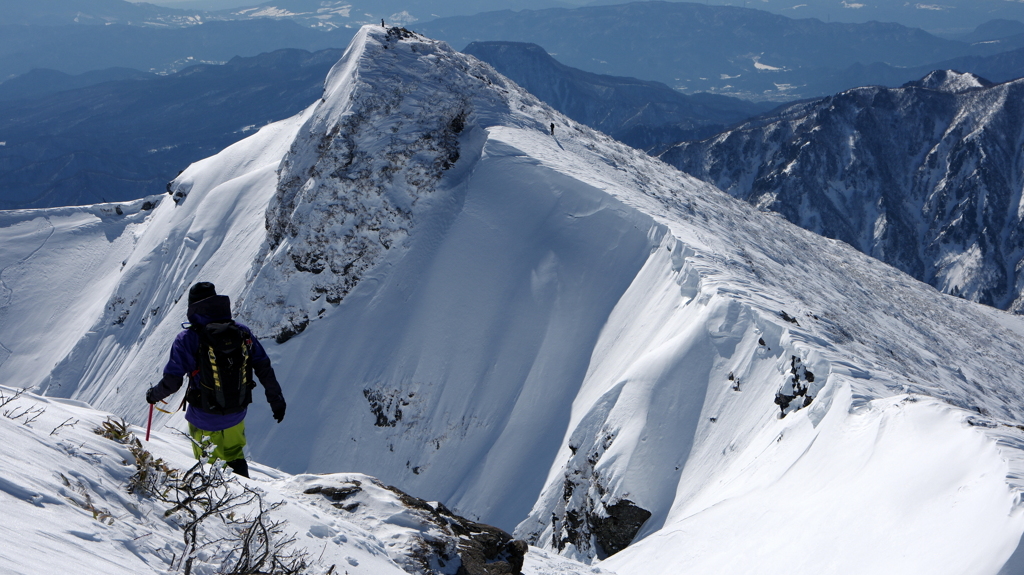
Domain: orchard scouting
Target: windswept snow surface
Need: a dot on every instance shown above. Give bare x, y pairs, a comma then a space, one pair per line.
63, 489
540, 331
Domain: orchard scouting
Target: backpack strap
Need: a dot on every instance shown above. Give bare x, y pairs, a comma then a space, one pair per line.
246, 346
218, 389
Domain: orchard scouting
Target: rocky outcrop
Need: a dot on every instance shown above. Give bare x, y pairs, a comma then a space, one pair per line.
589, 520
615, 531
443, 543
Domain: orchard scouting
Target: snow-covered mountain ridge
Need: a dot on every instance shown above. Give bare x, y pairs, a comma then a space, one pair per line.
926, 177
72, 493
552, 333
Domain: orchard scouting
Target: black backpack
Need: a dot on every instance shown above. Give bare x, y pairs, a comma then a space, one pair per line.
224, 370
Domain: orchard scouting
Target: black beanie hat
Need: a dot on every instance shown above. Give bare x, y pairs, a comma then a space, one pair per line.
201, 291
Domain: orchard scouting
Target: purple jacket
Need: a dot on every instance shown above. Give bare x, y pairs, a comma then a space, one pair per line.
183, 362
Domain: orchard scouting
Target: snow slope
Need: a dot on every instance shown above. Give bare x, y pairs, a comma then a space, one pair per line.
64, 492
554, 334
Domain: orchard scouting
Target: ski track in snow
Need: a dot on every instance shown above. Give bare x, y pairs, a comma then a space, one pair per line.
539, 331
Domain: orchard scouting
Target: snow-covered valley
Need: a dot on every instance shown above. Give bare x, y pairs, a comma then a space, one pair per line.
543, 330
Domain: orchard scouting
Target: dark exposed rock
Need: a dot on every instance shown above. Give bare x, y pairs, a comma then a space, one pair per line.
588, 517
291, 331
443, 543
399, 33
616, 531
796, 386
386, 406
335, 493
481, 549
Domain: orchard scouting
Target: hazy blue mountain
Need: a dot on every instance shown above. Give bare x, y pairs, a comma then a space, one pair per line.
691, 47
1000, 67
42, 81
320, 14
126, 139
56, 12
335, 13
994, 31
951, 18
642, 114
77, 49
926, 177
948, 17
66, 35
697, 47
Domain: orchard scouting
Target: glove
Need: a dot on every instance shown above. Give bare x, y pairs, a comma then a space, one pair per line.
278, 409
151, 397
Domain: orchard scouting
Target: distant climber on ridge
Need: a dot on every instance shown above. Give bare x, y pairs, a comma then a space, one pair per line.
219, 356
552, 128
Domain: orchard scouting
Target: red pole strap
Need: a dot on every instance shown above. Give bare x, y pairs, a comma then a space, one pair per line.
149, 425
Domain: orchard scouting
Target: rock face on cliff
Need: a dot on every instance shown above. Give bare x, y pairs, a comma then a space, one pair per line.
926, 177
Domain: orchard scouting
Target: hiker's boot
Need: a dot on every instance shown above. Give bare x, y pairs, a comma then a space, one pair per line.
240, 467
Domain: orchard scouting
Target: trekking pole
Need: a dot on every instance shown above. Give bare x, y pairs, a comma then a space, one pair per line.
149, 425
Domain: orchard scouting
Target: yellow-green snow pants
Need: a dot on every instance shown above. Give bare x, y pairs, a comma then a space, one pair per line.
228, 443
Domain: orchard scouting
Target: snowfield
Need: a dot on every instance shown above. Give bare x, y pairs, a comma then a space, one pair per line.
64, 493
553, 334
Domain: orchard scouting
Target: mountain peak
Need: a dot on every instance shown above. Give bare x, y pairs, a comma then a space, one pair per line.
367, 164
950, 81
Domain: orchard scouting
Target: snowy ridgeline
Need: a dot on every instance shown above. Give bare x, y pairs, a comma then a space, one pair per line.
81, 491
554, 334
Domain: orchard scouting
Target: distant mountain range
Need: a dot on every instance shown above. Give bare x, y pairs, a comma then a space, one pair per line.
950, 18
747, 53
43, 81
946, 17
926, 177
77, 49
75, 36
719, 49
642, 114
56, 12
119, 134
999, 67
124, 139
321, 14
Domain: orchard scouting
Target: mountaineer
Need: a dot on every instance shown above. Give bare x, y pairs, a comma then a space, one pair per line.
219, 356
